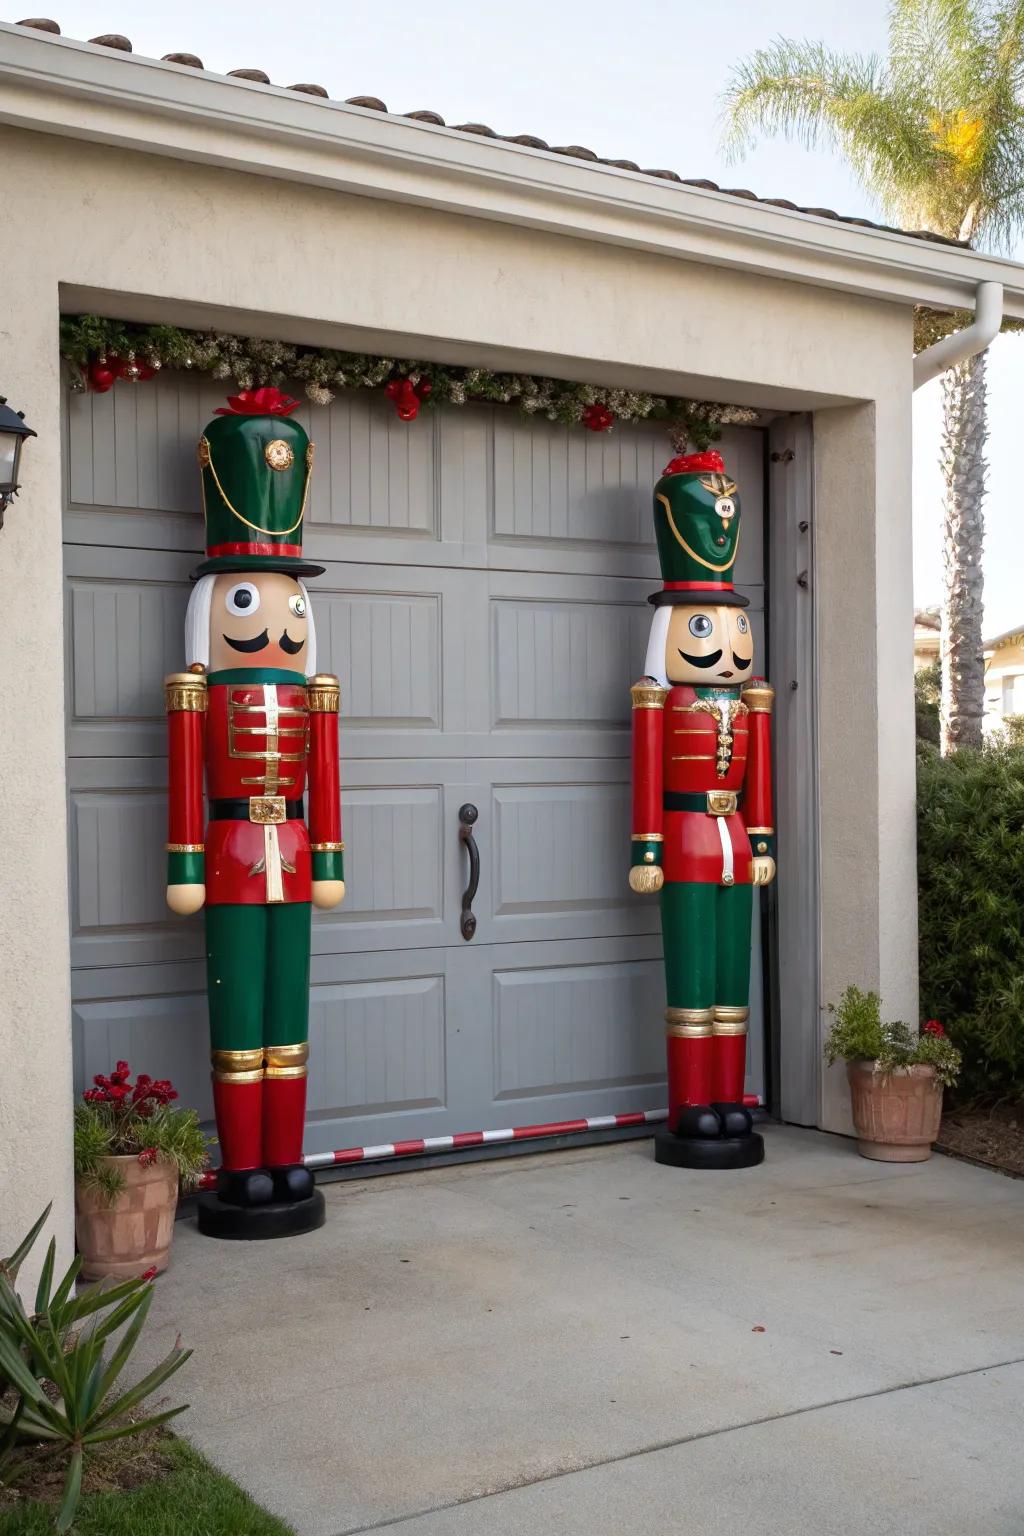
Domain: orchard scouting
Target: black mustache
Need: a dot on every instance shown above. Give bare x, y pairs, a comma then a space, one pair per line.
739, 662
702, 661
260, 643
257, 643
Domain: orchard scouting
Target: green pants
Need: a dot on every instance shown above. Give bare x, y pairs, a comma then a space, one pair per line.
706, 935
257, 968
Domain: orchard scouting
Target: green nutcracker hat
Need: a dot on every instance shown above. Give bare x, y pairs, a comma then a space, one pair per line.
256, 466
697, 523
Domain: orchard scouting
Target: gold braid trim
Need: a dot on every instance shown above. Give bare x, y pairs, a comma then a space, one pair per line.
185, 690
323, 694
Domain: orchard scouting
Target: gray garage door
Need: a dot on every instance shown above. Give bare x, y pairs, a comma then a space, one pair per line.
483, 605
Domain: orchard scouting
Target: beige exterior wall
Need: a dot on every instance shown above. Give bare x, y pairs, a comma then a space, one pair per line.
158, 238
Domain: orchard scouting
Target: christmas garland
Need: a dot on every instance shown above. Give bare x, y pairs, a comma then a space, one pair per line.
101, 352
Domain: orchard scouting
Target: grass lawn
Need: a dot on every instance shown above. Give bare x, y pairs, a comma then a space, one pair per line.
159, 1487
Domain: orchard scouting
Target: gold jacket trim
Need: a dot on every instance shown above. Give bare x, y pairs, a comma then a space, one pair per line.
185, 690
323, 694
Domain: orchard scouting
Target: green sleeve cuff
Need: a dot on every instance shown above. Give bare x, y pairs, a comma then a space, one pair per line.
646, 853
186, 868
762, 845
329, 866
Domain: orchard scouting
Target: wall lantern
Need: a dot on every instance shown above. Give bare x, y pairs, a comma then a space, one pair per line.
13, 433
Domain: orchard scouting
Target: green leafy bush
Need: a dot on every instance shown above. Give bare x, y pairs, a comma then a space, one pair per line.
58, 1387
971, 909
859, 1034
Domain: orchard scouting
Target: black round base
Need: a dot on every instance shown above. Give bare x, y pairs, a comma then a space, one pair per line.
710, 1152
254, 1223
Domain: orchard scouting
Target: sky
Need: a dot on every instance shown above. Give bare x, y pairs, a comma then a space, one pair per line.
639, 81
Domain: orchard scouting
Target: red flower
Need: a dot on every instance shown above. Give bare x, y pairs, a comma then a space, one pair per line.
598, 418
267, 401
696, 463
933, 1027
147, 1157
408, 396
149, 1274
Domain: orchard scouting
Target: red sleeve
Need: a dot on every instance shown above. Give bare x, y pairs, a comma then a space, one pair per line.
757, 794
648, 769
324, 813
185, 695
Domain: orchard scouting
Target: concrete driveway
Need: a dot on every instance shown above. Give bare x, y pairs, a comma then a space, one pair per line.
583, 1341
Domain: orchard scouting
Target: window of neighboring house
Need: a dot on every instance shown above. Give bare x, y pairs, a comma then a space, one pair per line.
1013, 695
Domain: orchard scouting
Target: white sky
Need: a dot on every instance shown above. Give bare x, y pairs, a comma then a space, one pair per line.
638, 81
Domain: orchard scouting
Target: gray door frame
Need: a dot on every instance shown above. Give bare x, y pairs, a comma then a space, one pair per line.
793, 913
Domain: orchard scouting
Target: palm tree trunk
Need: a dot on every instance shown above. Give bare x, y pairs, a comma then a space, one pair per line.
964, 467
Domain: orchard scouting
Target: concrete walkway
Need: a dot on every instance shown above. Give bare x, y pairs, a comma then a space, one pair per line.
584, 1341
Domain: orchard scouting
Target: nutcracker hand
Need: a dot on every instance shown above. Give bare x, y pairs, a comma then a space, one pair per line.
186, 899
328, 893
645, 877
762, 870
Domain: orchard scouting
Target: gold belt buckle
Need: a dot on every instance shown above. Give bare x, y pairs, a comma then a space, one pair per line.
721, 802
267, 810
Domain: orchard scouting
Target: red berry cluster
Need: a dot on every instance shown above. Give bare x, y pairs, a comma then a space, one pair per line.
140, 1097
408, 396
933, 1027
598, 418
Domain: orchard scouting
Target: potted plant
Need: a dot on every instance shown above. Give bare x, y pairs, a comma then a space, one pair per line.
896, 1077
133, 1150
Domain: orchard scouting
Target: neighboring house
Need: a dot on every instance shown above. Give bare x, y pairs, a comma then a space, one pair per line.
1004, 678
926, 638
485, 587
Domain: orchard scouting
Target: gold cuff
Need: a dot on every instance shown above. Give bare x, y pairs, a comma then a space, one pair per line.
239, 1077
688, 1031
689, 1015
184, 848
327, 847
323, 694
286, 1055
184, 690
272, 1072
761, 831
759, 698
648, 696
648, 837
728, 1029
230, 1062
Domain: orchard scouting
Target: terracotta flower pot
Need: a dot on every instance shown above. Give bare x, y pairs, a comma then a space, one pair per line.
131, 1234
895, 1114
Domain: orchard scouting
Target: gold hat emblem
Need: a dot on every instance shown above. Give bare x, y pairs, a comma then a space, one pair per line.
719, 485
278, 454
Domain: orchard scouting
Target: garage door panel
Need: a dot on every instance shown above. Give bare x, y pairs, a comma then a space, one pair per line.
122, 635
559, 847
379, 1047
385, 648
164, 1035
117, 857
574, 1028
394, 854
558, 664
373, 473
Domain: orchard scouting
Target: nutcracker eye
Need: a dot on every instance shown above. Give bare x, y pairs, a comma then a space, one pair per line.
243, 599
725, 506
741, 623
701, 626
297, 604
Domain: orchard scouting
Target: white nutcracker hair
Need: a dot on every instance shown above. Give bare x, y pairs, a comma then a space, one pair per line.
197, 624
654, 665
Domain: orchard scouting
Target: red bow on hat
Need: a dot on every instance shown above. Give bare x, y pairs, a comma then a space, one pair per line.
267, 401
696, 464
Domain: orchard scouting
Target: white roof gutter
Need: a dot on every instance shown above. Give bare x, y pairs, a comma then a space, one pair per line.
988, 317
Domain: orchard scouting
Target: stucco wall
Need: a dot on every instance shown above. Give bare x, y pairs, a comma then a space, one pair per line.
163, 239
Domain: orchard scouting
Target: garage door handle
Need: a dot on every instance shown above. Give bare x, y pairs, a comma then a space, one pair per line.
467, 818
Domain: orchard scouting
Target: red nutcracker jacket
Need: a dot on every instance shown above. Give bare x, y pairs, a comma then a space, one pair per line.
262, 737
702, 780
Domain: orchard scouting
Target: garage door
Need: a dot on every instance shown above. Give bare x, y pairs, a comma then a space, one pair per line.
483, 605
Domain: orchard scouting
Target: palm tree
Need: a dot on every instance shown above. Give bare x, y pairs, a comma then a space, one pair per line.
935, 134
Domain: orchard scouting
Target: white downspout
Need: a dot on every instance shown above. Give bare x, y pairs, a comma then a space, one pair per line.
988, 317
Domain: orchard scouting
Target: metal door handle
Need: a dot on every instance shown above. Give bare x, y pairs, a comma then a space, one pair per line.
467, 817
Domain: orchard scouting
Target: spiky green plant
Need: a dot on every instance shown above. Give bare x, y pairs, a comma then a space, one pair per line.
935, 134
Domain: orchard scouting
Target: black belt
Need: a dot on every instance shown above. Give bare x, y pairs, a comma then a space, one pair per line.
238, 810
685, 800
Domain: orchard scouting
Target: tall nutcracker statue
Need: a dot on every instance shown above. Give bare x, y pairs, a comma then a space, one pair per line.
252, 713
702, 821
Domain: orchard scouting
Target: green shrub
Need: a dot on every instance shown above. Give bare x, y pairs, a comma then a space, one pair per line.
858, 1034
971, 916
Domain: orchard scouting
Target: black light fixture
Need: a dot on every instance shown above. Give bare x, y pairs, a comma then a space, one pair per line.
13, 433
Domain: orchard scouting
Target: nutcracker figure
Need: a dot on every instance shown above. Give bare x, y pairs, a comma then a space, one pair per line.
253, 712
702, 823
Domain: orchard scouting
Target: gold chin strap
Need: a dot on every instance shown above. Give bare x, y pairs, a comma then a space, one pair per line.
206, 462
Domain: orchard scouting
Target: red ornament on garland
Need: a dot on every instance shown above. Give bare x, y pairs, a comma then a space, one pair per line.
407, 396
100, 376
598, 418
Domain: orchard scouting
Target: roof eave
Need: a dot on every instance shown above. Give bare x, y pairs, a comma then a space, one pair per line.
78, 90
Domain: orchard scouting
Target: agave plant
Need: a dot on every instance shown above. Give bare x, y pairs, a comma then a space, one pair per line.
58, 1387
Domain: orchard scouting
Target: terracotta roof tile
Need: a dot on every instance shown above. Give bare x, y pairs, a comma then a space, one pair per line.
121, 44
